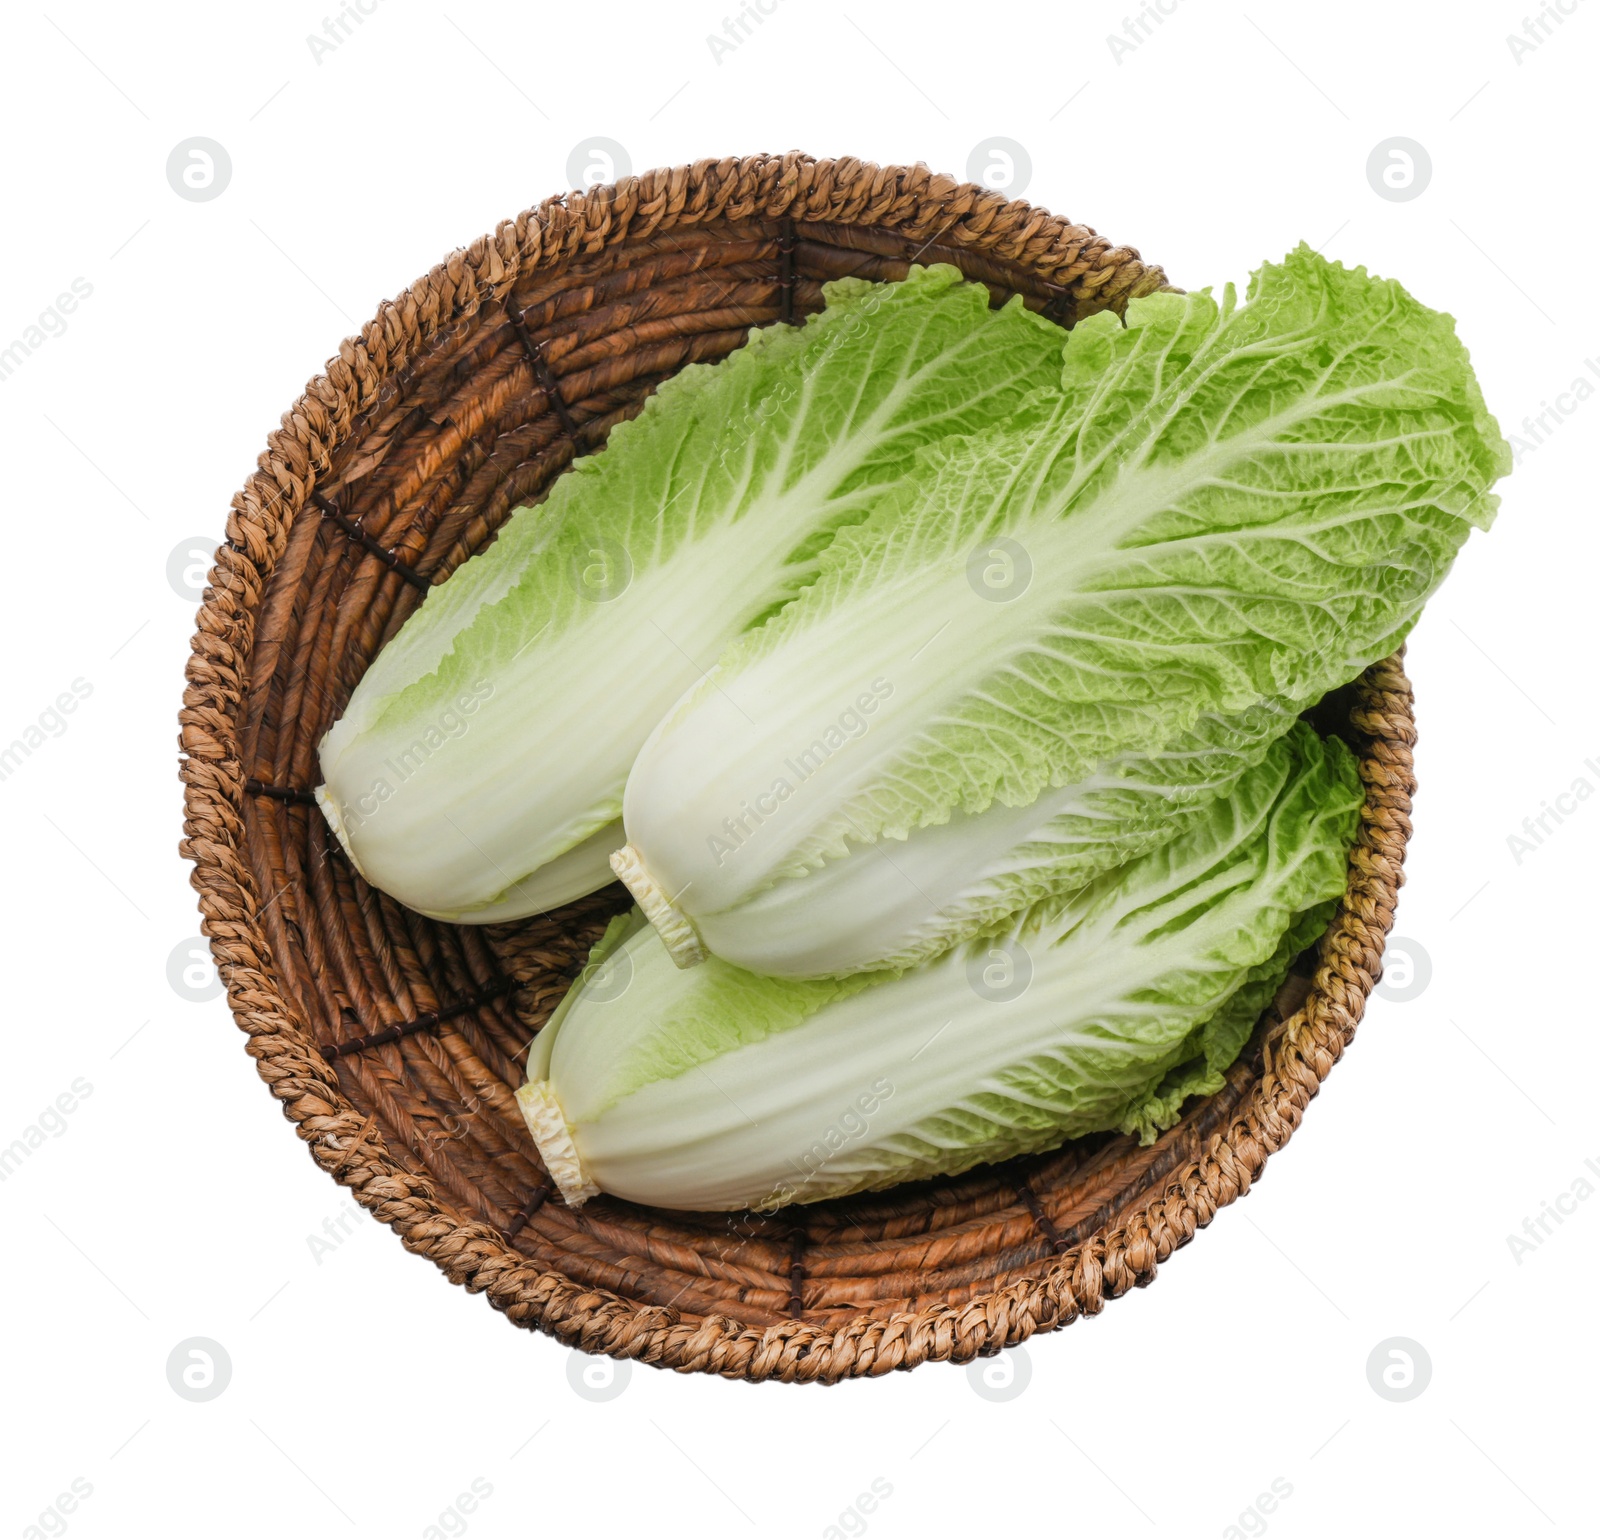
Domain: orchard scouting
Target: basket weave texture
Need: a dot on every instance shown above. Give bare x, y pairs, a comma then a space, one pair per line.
395, 1043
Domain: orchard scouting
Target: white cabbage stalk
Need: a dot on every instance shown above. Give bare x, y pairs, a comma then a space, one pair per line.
716, 1088
1227, 504
477, 771
896, 903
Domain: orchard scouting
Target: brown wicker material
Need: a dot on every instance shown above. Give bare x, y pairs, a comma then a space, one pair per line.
395, 1043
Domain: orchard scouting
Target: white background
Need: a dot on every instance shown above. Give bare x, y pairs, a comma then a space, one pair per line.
366, 1393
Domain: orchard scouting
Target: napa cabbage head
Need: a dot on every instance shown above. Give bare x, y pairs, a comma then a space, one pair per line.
477, 771
1223, 505
718, 1088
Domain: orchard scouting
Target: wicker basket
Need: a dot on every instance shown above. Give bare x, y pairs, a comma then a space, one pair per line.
395, 1043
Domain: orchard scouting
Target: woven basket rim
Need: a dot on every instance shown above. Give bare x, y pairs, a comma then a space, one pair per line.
1122, 1253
